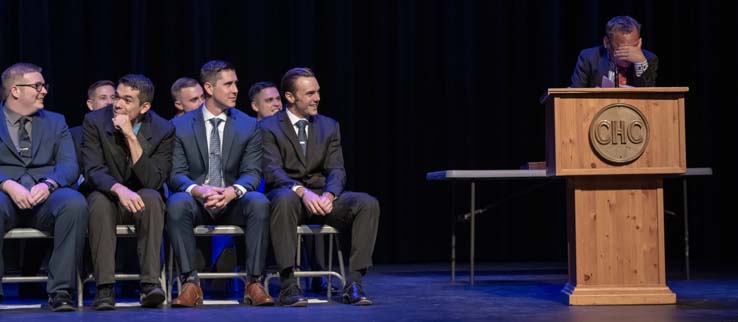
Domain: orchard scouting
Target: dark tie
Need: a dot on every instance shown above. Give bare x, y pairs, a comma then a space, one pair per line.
215, 177
302, 135
24, 140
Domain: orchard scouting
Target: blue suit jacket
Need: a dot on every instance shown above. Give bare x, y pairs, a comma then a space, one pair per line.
241, 151
52, 151
593, 63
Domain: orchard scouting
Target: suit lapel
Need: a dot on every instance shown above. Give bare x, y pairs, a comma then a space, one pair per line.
5, 135
198, 128
228, 136
37, 132
289, 131
314, 133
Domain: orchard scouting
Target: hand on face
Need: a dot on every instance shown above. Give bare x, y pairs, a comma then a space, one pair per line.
123, 124
630, 54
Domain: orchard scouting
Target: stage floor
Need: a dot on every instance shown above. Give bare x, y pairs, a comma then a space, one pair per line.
503, 292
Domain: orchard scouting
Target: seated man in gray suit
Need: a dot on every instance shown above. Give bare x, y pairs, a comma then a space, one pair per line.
127, 156
37, 165
303, 167
216, 166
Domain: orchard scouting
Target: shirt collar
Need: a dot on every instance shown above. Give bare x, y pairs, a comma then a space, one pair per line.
207, 115
10, 116
294, 118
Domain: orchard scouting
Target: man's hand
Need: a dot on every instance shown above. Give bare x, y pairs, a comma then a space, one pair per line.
123, 124
223, 199
312, 202
129, 199
39, 193
632, 54
19, 194
326, 202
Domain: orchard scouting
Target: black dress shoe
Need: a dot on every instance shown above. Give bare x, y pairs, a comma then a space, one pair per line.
292, 296
61, 301
151, 295
104, 298
320, 285
354, 294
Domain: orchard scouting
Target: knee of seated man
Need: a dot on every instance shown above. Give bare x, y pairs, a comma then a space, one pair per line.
178, 206
150, 197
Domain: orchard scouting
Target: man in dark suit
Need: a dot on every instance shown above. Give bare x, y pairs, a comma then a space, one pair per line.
127, 156
99, 95
37, 165
214, 185
303, 167
620, 60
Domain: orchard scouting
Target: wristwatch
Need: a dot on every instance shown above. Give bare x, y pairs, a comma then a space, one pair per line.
239, 193
49, 183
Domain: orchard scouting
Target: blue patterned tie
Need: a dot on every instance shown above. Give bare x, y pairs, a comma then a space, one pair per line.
302, 135
215, 178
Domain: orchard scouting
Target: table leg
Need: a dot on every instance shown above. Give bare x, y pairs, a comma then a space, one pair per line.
686, 226
471, 236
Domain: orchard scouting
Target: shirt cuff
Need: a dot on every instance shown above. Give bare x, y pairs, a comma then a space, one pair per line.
189, 189
295, 187
240, 187
640, 68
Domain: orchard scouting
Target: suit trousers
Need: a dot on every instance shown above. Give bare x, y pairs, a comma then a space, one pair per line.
354, 212
105, 214
251, 213
64, 215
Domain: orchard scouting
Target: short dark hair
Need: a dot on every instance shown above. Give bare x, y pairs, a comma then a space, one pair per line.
141, 83
12, 73
256, 88
289, 78
95, 85
180, 83
209, 71
624, 24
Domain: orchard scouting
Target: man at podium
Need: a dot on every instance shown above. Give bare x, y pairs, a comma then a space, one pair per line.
620, 61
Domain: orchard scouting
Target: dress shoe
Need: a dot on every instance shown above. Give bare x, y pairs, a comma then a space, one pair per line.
257, 296
190, 296
151, 295
104, 298
354, 294
61, 301
292, 296
320, 285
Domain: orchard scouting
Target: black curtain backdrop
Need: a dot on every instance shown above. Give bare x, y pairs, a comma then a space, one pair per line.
417, 86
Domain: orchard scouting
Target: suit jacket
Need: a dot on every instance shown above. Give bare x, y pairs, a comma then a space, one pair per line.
106, 158
241, 151
593, 63
76, 133
284, 164
52, 151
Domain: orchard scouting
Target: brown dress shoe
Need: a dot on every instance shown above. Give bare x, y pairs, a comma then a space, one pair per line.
257, 296
190, 296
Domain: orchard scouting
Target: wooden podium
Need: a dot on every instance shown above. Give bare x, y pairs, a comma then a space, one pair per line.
614, 145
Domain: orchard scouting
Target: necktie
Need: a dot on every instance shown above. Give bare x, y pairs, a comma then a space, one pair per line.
622, 76
302, 135
215, 178
24, 140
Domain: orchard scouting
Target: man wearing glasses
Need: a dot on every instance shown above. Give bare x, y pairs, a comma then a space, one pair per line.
37, 165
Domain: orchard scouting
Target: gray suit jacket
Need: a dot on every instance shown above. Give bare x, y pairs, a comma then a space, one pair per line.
284, 165
52, 151
241, 151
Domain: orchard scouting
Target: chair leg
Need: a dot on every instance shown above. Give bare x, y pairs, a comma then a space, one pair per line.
340, 259
330, 265
297, 261
80, 290
170, 264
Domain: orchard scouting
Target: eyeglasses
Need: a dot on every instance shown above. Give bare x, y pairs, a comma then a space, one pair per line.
37, 86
